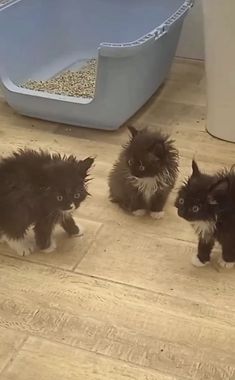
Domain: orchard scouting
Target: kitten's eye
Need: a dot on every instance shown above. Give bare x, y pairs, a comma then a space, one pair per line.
77, 196
195, 208
59, 198
181, 201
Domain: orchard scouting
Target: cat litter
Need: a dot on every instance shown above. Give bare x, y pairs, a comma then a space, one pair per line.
71, 83
133, 41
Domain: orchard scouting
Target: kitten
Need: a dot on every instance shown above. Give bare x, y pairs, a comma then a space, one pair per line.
144, 173
208, 203
39, 189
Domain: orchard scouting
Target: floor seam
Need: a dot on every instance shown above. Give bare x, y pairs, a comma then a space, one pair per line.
133, 287
88, 248
14, 354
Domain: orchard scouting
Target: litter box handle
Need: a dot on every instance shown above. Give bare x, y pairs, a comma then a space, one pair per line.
178, 15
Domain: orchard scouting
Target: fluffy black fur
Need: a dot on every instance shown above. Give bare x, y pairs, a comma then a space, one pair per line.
208, 203
40, 189
145, 172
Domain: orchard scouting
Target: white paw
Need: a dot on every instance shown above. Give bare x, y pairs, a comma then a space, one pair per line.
22, 247
197, 263
225, 264
51, 248
81, 228
157, 215
140, 212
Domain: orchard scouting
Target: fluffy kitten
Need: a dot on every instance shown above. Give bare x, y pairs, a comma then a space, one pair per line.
208, 203
144, 173
40, 189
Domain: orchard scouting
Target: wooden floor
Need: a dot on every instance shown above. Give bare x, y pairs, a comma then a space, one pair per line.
124, 301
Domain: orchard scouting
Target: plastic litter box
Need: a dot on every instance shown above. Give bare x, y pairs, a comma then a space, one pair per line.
134, 42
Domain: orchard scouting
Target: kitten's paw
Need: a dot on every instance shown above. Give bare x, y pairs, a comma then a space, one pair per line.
51, 247
22, 247
197, 262
140, 212
81, 229
157, 215
225, 264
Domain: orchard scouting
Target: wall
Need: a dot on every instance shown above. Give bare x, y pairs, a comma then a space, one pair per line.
191, 44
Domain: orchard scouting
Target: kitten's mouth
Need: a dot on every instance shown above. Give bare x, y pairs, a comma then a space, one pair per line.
69, 210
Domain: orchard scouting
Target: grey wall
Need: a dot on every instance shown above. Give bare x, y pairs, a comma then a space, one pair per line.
191, 43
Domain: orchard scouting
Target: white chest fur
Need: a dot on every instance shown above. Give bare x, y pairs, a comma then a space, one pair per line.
205, 229
147, 186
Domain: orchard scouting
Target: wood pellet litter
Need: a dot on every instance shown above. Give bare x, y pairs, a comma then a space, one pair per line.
70, 83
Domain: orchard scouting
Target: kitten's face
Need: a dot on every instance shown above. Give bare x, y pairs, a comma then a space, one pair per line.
68, 196
144, 157
66, 185
192, 200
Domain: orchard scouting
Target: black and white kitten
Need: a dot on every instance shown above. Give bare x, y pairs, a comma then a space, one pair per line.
144, 173
39, 189
208, 203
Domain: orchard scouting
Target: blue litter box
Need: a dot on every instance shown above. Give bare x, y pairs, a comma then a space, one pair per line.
134, 42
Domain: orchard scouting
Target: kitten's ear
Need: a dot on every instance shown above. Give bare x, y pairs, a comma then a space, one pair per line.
132, 130
218, 191
195, 168
85, 165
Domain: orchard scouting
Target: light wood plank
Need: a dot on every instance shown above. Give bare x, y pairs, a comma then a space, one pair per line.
183, 92
189, 140
112, 320
186, 70
10, 342
160, 264
170, 114
55, 361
